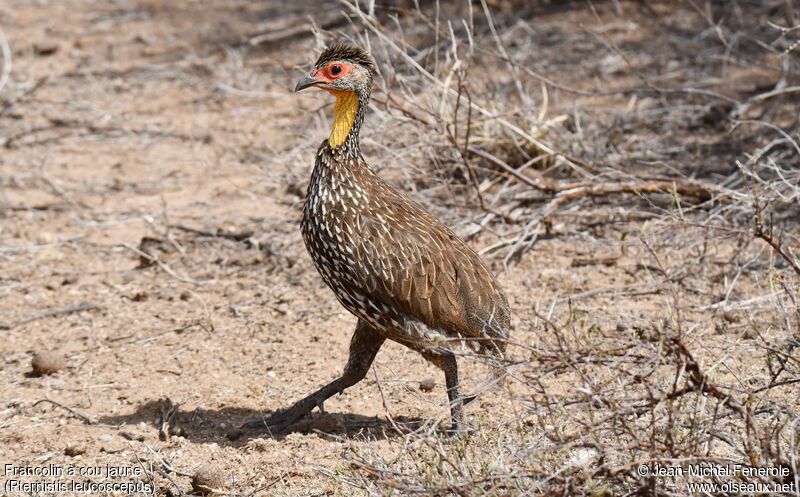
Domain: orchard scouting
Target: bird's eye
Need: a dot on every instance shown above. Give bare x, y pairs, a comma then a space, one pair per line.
335, 70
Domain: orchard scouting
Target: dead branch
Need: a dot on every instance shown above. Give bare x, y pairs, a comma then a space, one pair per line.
49, 313
10, 103
237, 237
776, 245
277, 34
573, 190
698, 377
84, 418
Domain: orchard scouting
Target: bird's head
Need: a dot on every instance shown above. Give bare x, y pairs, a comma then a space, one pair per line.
346, 71
341, 68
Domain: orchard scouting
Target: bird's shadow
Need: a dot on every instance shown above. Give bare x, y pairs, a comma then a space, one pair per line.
222, 425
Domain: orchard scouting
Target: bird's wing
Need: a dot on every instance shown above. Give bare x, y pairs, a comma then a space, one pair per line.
415, 264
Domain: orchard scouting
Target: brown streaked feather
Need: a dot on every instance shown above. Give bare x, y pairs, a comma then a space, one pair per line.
409, 261
404, 274
388, 260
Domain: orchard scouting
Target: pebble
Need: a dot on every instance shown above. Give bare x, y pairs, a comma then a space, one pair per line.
427, 385
43, 48
207, 479
44, 363
73, 450
132, 436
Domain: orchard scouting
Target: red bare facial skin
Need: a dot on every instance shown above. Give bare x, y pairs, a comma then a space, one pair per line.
326, 74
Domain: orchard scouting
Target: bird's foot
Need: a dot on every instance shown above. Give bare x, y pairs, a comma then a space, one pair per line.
255, 424
277, 423
460, 428
282, 420
453, 431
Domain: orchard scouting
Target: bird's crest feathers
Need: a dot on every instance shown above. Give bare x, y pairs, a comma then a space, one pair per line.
346, 51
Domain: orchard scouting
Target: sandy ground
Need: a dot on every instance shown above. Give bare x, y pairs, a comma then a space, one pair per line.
140, 122
129, 124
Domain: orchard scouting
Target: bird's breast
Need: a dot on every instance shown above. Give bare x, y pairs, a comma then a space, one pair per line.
333, 205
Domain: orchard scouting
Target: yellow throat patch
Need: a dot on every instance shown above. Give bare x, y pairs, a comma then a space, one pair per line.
344, 115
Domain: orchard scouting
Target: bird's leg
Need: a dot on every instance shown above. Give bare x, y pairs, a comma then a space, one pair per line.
450, 368
446, 361
363, 347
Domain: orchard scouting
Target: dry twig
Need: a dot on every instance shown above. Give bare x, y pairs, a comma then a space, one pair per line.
49, 313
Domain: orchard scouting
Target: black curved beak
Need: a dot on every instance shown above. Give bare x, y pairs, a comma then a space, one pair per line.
306, 82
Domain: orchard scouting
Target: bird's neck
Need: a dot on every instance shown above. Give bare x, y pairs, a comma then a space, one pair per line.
348, 114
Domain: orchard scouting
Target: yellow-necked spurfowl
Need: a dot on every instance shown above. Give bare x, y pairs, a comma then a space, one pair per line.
402, 272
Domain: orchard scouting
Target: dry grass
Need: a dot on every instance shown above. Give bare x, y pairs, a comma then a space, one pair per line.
682, 139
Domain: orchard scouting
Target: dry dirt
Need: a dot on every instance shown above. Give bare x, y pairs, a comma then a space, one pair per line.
132, 122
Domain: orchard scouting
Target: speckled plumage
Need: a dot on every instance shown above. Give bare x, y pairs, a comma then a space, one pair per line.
404, 274
393, 264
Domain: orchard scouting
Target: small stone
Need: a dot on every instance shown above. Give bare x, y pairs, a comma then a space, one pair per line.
46, 238
186, 295
140, 296
132, 436
45, 48
731, 316
73, 450
427, 385
106, 437
44, 363
150, 249
207, 479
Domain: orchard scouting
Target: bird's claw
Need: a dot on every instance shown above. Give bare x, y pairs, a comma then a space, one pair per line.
276, 423
254, 424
